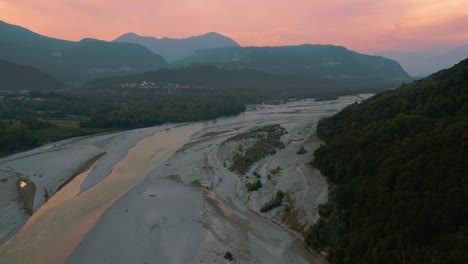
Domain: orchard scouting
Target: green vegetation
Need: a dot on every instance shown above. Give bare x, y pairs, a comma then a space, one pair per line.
133, 108
267, 140
15, 137
228, 256
251, 84
251, 187
301, 151
398, 163
64, 122
275, 202
275, 170
30, 120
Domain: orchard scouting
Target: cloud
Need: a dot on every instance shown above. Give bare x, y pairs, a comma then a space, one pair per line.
364, 25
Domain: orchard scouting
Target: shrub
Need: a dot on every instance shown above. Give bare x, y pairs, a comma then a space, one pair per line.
275, 202
253, 187
228, 256
267, 140
301, 151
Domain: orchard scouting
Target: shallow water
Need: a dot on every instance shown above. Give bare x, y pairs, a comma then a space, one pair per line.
52, 237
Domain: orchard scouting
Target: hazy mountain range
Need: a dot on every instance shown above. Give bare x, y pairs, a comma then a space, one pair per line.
175, 49
88, 59
420, 64
324, 61
74, 61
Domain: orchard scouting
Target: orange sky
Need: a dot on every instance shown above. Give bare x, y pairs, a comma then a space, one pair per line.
363, 25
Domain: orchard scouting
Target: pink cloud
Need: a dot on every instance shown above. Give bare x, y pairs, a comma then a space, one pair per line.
363, 25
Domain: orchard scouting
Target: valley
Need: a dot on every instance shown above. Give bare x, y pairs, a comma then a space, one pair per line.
233, 132
145, 194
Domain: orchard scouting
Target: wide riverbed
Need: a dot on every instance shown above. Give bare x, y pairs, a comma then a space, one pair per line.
138, 199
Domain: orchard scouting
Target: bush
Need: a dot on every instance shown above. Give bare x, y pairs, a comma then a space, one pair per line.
267, 140
276, 170
253, 187
275, 202
228, 256
301, 151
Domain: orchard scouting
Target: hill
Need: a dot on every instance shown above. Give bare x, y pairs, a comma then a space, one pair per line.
74, 61
425, 63
248, 82
19, 77
209, 76
176, 49
318, 61
397, 163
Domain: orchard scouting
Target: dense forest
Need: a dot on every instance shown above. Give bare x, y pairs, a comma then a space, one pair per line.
398, 168
29, 120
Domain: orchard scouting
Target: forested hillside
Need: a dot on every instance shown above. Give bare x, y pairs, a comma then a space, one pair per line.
398, 168
19, 77
315, 61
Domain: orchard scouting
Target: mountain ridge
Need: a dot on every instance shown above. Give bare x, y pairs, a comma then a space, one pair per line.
178, 48
307, 59
72, 61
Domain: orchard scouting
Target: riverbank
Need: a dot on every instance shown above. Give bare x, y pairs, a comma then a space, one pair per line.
164, 207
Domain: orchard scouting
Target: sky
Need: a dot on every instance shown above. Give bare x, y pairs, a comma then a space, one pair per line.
362, 25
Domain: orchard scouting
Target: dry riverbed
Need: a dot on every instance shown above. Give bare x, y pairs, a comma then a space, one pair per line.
166, 194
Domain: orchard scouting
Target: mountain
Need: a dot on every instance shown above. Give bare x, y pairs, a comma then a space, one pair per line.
325, 61
397, 165
176, 49
74, 61
425, 63
20, 77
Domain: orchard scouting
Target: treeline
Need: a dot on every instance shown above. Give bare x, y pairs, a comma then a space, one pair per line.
251, 84
398, 166
28, 133
30, 120
139, 108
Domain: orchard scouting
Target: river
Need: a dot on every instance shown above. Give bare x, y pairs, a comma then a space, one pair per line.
149, 208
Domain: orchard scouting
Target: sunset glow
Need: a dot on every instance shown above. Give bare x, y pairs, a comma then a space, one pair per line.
363, 25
